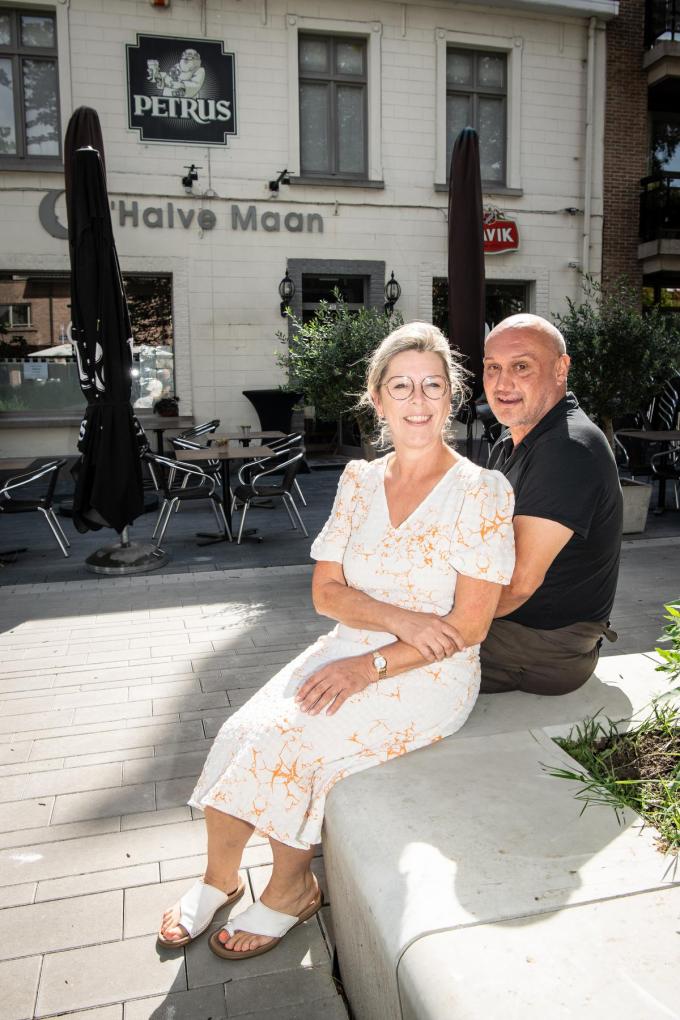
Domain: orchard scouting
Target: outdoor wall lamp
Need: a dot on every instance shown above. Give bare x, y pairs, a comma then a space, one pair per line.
283, 178
392, 294
287, 291
188, 179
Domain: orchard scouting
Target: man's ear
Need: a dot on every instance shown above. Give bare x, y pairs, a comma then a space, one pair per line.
563, 368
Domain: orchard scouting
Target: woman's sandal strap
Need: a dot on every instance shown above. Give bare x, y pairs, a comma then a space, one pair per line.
199, 905
259, 919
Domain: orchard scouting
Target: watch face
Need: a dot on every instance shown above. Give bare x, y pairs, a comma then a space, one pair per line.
380, 662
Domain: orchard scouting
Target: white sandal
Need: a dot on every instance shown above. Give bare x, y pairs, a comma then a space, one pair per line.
197, 908
259, 919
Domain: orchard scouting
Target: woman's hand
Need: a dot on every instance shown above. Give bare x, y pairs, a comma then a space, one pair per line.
430, 634
334, 683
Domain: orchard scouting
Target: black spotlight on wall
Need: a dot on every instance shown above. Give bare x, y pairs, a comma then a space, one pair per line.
287, 291
392, 294
190, 177
283, 178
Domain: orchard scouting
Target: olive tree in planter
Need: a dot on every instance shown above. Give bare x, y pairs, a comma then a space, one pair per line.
327, 359
620, 358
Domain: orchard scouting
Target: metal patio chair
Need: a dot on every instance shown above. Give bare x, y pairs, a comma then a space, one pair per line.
206, 428
15, 500
165, 471
292, 443
259, 486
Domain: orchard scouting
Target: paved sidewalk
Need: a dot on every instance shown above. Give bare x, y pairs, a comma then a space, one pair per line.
111, 695
111, 691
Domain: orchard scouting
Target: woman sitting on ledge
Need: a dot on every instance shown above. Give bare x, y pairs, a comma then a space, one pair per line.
418, 542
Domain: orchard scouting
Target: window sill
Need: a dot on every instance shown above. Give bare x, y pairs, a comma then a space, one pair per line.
19, 164
491, 189
40, 419
337, 182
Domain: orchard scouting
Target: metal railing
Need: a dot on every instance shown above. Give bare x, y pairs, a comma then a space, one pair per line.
662, 22
660, 207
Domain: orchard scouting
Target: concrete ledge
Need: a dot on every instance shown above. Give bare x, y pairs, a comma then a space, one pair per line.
471, 834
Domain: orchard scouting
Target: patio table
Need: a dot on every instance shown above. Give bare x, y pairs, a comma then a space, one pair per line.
247, 439
654, 436
159, 424
225, 454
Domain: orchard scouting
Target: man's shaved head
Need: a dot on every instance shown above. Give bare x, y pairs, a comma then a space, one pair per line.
539, 328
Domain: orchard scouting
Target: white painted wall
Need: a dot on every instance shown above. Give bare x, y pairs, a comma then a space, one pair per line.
225, 281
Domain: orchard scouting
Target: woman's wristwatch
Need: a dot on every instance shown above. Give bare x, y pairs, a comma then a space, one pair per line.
380, 663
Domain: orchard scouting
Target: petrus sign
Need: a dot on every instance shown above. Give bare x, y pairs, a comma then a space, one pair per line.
181, 90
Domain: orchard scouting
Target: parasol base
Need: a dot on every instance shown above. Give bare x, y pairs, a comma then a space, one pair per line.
130, 558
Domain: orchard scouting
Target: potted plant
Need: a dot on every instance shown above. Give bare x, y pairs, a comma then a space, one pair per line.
621, 357
327, 358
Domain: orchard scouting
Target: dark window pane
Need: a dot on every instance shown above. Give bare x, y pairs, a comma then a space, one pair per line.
8, 138
21, 315
491, 140
491, 70
5, 30
314, 128
458, 116
37, 30
5, 312
459, 67
666, 143
351, 132
321, 288
40, 107
349, 57
502, 299
313, 54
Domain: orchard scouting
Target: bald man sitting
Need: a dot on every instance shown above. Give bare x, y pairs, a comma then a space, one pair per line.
552, 616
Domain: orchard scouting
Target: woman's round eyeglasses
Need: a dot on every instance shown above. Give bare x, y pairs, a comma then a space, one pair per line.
401, 387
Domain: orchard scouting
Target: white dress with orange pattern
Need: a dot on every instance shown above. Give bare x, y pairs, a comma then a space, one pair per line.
272, 764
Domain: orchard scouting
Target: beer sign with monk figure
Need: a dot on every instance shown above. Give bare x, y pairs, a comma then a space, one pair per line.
181, 90
500, 234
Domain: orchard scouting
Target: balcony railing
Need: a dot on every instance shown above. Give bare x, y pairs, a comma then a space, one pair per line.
660, 207
662, 22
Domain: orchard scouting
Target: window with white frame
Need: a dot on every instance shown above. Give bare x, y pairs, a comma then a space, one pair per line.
333, 87
476, 96
29, 94
15, 316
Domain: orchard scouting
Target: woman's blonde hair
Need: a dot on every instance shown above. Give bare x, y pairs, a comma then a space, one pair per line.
413, 336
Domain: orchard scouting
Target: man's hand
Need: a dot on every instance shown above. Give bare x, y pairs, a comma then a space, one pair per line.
334, 683
431, 635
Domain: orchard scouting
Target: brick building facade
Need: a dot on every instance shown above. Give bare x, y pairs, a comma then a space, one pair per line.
626, 144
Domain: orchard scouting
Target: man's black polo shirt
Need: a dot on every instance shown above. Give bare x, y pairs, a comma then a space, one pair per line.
564, 471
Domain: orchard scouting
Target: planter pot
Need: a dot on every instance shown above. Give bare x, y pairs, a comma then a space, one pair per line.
274, 407
636, 497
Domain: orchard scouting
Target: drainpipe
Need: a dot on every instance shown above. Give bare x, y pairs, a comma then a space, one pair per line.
588, 159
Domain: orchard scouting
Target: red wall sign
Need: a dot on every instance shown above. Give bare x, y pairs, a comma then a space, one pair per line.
500, 234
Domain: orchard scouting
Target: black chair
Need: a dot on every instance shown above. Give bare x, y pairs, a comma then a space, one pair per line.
635, 455
210, 467
205, 429
164, 471
293, 444
15, 500
256, 488
666, 468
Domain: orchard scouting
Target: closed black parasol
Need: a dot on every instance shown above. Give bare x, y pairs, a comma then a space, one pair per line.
466, 258
109, 483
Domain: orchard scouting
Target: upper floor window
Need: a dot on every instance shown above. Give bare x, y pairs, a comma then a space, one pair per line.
476, 96
14, 317
333, 110
29, 95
